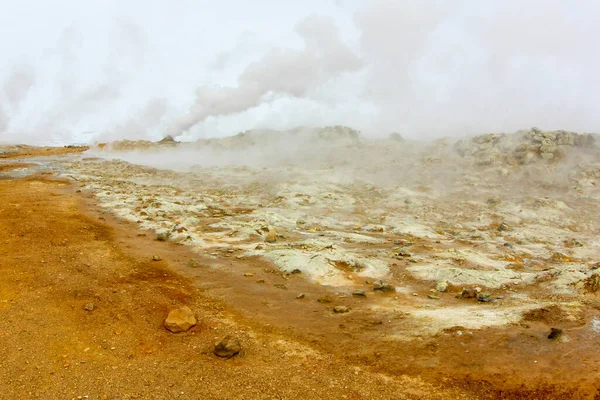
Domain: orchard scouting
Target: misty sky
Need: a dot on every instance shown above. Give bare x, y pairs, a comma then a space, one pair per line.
75, 71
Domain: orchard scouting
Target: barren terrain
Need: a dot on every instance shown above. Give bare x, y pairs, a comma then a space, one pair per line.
346, 267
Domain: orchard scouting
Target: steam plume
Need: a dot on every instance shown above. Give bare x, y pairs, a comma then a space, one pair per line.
281, 71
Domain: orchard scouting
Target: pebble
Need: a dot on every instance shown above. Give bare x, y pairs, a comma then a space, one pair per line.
300, 296
380, 286
325, 299
360, 293
248, 274
180, 320
555, 333
89, 307
156, 258
340, 309
228, 347
441, 286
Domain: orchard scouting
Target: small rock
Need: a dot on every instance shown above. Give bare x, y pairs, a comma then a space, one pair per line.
503, 227
441, 286
340, 309
485, 297
360, 293
555, 333
162, 236
280, 286
194, 264
494, 201
433, 297
300, 296
271, 236
468, 293
156, 258
325, 299
260, 281
248, 274
295, 271
380, 286
89, 307
228, 347
260, 247
180, 320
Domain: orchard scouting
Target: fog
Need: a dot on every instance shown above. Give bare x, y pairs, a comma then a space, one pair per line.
101, 71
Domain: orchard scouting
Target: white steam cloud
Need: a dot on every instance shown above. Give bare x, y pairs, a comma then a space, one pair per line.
281, 71
421, 67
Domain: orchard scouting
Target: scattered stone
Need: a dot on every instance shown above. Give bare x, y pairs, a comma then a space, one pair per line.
325, 299
156, 258
162, 236
228, 347
260, 247
503, 227
340, 309
469, 293
300, 296
441, 286
248, 274
359, 293
494, 201
577, 243
194, 264
271, 236
89, 307
295, 271
433, 297
260, 281
555, 334
180, 320
380, 286
485, 297
280, 286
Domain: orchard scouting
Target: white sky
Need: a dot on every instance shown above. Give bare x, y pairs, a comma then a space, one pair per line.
430, 67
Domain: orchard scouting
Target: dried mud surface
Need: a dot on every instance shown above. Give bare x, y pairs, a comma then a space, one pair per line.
243, 242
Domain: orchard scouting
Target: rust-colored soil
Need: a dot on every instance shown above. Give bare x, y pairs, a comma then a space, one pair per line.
59, 254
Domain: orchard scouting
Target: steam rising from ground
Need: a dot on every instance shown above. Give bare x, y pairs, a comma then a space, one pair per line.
425, 68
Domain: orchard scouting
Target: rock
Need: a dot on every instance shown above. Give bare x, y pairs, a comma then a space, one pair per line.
300, 296
341, 309
433, 297
468, 293
280, 286
484, 297
441, 286
180, 320
260, 281
89, 307
248, 274
325, 299
194, 264
503, 227
494, 201
555, 334
271, 236
295, 271
228, 347
359, 293
380, 286
163, 236
156, 258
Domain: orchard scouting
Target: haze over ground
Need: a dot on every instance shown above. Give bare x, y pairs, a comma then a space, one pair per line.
107, 70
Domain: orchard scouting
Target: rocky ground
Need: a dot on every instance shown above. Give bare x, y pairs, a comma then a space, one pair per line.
469, 266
